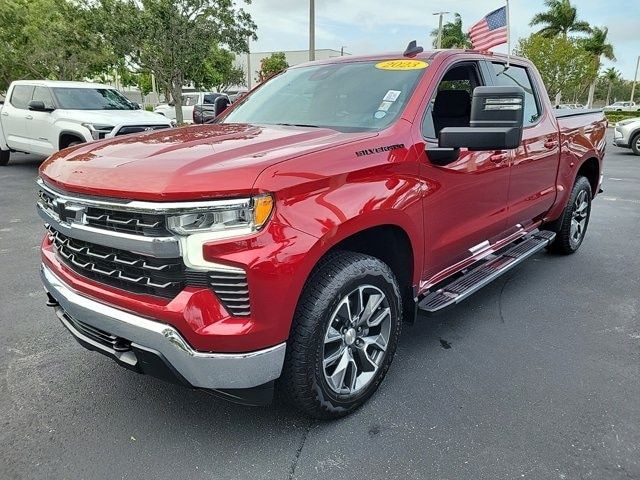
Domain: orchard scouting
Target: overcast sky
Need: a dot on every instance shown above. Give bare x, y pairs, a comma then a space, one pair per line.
370, 26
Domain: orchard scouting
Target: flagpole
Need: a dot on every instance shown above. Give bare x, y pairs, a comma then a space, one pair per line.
508, 35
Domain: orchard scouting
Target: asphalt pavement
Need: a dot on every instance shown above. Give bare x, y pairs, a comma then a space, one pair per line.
536, 376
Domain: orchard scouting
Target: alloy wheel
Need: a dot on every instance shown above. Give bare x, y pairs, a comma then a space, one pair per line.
356, 340
579, 217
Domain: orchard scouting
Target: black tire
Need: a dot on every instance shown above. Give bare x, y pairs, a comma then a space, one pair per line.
73, 143
635, 143
5, 155
567, 240
303, 383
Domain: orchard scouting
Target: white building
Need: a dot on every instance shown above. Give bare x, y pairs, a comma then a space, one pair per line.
294, 57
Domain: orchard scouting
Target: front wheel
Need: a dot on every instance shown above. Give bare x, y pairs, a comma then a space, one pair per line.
344, 335
575, 219
4, 157
635, 144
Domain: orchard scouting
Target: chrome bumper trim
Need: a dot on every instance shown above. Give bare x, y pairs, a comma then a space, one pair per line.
161, 247
200, 369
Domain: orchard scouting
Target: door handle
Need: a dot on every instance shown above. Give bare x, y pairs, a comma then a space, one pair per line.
29, 117
549, 144
5, 114
499, 157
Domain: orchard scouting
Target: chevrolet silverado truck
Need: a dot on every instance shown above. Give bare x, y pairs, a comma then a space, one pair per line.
44, 116
281, 248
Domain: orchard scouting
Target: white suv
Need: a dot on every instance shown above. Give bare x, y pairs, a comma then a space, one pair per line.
627, 134
42, 117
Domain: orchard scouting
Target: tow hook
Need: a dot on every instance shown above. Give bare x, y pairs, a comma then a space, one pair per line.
51, 302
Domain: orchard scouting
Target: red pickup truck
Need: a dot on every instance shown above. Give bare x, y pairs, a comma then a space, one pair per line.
282, 246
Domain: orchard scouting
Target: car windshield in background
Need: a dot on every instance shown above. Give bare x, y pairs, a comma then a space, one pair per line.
91, 99
345, 96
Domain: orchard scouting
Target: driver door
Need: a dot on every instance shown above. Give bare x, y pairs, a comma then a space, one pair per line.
38, 128
465, 205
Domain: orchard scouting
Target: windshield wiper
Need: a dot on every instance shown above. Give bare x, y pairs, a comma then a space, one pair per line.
297, 125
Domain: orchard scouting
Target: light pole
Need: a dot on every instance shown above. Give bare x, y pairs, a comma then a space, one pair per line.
312, 30
635, 79
249, 62
439, 42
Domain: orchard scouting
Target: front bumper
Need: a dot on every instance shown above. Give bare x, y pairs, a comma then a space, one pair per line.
135, 339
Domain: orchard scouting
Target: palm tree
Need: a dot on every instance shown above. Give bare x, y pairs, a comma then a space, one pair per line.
560, 19
452, 35
598, 47
610, 75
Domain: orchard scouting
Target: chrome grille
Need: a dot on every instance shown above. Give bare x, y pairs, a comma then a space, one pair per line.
85, 233
148, 224
126, 130
232, 290
129, 271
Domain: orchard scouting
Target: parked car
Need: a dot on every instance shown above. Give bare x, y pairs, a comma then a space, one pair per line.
622, 107
189, 100
284, 245
44, 116
627, 134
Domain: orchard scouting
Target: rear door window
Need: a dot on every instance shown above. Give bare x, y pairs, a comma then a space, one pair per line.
516, 76
21, 96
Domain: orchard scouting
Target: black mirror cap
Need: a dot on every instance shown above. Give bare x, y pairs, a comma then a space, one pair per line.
481, 138
38, 106
497, 107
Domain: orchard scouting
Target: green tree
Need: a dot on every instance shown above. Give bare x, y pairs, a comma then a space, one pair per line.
560, 19
452, 34
176, 39
597, 46
50, 39
610, 76
562, 62
269, 66
218, 71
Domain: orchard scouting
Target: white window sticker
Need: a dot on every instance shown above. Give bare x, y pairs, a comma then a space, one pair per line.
385, 106
380, 114
392, 95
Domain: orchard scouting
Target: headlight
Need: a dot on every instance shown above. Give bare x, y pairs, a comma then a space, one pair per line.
237, 217
622, 123
98, 131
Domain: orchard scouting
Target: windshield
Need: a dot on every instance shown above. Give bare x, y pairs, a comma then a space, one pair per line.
92, 99
345, 96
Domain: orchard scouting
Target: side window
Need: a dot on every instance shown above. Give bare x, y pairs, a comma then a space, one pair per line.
44, 95
209, 99
451, 105
518, 76
21, 96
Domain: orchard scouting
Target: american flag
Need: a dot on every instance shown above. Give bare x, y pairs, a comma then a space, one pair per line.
490, 31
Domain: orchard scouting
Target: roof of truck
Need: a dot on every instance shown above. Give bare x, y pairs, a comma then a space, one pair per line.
427, 55
60, 83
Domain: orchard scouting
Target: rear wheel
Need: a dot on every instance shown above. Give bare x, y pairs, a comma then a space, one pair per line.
5, 155
575, 219
344, 335
635, 144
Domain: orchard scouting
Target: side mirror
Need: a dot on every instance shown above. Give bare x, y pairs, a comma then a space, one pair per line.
497, 118
38, 106
220, 105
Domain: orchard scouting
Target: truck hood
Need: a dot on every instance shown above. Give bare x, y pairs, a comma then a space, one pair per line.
113, 117
188, 163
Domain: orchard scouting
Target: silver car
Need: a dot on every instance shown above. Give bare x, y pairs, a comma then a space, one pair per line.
627, 134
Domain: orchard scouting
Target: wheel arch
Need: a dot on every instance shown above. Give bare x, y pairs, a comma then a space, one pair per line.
389, 242
67, 136
590, 168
